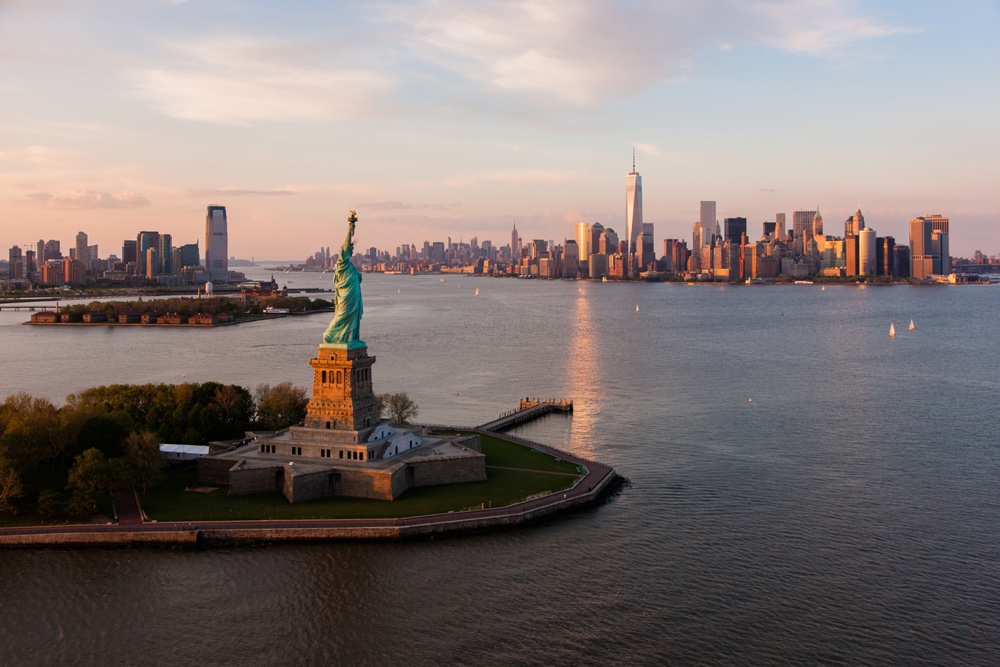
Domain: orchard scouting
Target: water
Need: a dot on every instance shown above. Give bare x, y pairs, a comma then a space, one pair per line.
804, 489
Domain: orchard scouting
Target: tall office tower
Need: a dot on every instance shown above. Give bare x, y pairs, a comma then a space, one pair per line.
571, 259
81, 250
735, 228
217, 244
867, 259
40, 252
921, 255
696, 238
608, 243
854, 224
769, 229
902, 261
143, 242
165, 249
708, 221
152, 262
128, 251
779, 225
515, 244
633, 206
817, 224
851, 247
51, 250
30, 266
802, 225
888, 266
189, 255
595, 237
581, 232
939, 223
15, 268
940, 253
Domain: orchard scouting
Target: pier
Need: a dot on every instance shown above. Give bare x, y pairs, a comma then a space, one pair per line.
528, 410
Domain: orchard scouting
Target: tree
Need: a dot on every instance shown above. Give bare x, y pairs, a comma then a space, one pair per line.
233, 404
279, 406
142, 453
400, 408
10, 485
94, 476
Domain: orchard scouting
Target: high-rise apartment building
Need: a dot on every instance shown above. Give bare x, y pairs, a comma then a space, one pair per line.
15, 268
217, 244
633, 206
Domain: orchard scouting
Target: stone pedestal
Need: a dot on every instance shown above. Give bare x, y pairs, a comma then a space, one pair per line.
342, 397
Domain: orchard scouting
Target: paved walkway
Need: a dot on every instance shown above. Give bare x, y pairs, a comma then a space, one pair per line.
127, 509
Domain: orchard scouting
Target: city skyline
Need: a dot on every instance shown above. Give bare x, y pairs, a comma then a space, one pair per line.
435, 121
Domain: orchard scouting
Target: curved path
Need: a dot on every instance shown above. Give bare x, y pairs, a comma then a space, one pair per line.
598, 481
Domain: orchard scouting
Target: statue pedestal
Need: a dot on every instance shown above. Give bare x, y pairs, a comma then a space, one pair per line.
342, 397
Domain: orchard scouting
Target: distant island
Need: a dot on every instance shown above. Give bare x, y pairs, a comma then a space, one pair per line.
180, 311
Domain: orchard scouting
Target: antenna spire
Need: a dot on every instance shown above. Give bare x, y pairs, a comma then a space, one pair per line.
633, 159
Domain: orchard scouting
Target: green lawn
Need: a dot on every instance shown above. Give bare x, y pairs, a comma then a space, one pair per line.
504, 453
170, 502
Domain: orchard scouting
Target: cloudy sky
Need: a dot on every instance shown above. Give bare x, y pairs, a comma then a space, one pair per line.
437, 118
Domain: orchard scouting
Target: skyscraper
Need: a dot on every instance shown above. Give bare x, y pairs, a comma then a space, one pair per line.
921, 256
143, 242
633, 206
779, 225
217, 244
734, 229
515, 245
581, 232
708, 220
867, 255
82, 255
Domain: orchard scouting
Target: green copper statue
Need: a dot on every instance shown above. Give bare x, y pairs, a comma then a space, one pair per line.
345, 328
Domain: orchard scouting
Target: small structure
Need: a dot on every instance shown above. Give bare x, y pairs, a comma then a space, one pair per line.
178, 453
129, 317
66, 318
95, 316
45, 317
147, 318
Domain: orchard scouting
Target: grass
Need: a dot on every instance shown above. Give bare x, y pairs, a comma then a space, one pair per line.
500, 452
169, 501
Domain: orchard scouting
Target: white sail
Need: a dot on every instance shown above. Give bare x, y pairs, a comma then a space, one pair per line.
892, 330
911, 325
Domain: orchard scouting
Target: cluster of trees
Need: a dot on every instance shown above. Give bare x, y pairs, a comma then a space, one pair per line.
185, 306
106, 439
294, 304
400, 408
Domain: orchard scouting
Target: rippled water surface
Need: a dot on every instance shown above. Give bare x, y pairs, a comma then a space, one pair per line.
804, 490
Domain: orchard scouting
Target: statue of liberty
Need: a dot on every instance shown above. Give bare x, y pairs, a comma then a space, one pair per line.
345, 328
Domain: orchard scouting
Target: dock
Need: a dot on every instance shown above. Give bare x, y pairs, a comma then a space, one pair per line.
528, 410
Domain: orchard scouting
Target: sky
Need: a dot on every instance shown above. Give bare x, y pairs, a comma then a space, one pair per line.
458, 118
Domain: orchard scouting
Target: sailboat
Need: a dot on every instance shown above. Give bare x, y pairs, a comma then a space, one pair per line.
397, 291
823, 288
637, 308
892, 330
477, 291
911, 325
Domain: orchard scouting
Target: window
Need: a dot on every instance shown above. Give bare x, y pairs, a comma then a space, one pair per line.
341, 453
324, 377
338, 377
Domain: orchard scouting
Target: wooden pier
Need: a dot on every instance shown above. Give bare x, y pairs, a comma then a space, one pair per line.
528, 410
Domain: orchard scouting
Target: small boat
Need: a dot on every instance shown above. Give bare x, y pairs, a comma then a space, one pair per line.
911, 325
892, 330
604, 279
477, 291
823, 288
442, 280
397, 291
637, 308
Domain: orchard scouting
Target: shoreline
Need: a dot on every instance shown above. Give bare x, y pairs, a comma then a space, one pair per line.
591, 489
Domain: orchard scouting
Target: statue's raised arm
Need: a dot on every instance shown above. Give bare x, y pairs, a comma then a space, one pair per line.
345, 328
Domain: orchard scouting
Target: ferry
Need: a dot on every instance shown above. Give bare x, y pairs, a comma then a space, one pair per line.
803, 282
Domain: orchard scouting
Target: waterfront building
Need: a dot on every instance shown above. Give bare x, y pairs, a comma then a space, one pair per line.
598, 265
633, 206
866, 252
217, 244
885, 250
940, 256
902, 261
189, 255
851, 264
